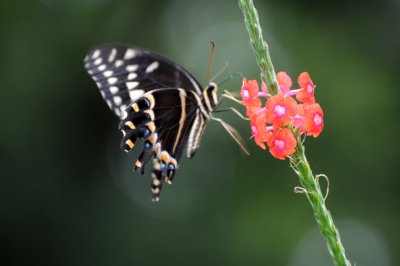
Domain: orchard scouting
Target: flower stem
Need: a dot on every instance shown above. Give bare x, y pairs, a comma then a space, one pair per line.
322, 215
260, 47
298, 161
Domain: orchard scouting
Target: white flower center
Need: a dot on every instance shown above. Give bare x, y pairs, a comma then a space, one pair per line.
280, 144
317, 119
280, 110
246, 94
310, 88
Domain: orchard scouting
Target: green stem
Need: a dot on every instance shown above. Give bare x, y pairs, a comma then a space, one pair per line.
322, 215
298, 161
260, 47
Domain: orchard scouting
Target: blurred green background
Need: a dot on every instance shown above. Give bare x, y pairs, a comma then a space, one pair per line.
69, 197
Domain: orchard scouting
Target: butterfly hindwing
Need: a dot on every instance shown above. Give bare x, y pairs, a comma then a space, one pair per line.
163, 118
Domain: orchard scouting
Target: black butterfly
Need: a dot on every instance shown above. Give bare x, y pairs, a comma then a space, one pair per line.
157, 100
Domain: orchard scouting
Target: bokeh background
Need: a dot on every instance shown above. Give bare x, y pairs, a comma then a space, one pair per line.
69, 197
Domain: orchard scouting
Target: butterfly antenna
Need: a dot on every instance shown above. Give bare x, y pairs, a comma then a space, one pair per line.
211, 59
230, 77
226, 65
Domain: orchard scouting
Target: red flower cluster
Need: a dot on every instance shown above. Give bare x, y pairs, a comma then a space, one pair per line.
270, 123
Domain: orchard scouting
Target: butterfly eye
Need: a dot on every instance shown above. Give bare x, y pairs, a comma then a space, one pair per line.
211, 86
210, 94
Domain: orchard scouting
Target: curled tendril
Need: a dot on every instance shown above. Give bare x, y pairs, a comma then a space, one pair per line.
327, 181
300, 190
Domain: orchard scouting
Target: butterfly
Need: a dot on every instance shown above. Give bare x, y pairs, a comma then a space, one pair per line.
157, 101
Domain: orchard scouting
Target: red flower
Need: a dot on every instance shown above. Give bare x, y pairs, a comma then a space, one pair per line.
313, 121
249, 91
285, 82
306, 93
281, 143
280, 110
269, 124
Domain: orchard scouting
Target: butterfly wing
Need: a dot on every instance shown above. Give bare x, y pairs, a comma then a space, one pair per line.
124, 73
157, 101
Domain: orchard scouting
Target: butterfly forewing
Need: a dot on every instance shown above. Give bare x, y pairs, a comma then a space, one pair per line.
123, 74
157, 101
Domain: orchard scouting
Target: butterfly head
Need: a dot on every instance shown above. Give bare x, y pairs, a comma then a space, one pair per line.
210, 95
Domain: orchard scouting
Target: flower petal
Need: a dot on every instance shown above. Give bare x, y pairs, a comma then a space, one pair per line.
285, 82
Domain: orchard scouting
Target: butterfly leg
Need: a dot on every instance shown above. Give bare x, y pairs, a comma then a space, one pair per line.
234, 134
233, 110
229, 95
